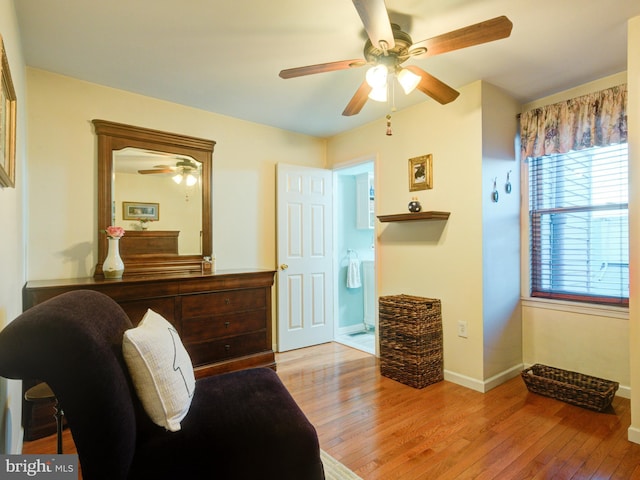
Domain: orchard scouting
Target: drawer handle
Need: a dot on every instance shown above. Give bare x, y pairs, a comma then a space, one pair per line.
226, 324
227, 301
227, 347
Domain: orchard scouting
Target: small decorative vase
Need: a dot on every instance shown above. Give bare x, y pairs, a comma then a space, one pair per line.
414, 206
113, 266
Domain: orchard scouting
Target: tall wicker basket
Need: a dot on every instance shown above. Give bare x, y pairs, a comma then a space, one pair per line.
411, 339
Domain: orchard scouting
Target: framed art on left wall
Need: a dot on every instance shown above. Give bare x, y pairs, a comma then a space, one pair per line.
7, 123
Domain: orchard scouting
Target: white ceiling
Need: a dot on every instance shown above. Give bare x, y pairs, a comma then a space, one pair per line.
224, 56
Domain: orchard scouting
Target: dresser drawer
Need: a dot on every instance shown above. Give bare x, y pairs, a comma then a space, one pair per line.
218, 326
223, 302
136, 309
221, 349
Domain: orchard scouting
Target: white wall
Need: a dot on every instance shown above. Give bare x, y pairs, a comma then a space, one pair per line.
12, 249
63, 179
589, 339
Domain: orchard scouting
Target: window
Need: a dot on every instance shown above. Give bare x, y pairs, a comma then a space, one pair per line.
578, 212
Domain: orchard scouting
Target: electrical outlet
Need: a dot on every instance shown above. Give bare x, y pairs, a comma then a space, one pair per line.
462, 328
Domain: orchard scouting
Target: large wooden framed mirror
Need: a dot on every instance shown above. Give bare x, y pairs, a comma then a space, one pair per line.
146, 174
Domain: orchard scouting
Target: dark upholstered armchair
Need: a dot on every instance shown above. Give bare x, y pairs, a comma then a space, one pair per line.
241, 425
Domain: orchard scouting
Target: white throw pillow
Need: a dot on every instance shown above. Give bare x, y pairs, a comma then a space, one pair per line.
161, 370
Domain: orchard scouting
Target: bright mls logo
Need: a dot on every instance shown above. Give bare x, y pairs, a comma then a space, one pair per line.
51, 467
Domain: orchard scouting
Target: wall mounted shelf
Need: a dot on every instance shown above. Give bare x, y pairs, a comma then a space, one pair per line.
409, 217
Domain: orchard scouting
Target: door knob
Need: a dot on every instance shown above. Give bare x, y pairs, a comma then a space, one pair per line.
283, 266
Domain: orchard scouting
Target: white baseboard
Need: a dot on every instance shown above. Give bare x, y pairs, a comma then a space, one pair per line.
624, 392
463, 380
358, 327
633, 434
483, 386
503, 377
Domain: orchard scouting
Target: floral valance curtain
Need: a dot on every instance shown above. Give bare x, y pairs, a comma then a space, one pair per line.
596, 119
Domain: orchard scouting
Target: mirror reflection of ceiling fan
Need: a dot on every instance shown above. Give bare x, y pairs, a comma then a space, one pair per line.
388, 47
184, 169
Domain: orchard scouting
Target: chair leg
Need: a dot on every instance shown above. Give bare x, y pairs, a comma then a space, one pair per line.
58, 415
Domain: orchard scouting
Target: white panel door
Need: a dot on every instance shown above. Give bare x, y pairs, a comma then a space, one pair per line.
305, 251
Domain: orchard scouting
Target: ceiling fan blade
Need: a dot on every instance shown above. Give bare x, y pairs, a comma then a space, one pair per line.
155, 170
375, 19
483, 32
430, 85
321, 68
358, 100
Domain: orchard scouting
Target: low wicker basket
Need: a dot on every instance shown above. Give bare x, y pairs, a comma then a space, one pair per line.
410, 340
575, 388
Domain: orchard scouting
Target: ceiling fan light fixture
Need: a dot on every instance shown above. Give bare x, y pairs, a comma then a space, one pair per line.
379, 94
177, 178
408, 80
377, 76
191, 180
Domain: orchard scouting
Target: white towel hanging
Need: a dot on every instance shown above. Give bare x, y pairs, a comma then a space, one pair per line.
353, 273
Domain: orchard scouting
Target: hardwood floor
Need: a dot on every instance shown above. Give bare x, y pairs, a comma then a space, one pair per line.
382, 429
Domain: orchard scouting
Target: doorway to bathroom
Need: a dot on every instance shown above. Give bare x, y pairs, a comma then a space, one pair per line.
354, 231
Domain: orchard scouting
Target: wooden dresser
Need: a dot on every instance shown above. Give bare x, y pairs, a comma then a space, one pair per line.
149, 242
224, 319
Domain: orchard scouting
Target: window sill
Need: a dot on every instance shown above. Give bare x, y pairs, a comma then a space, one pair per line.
577, 307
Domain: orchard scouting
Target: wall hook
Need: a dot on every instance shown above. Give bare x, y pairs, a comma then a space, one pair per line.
507, 186
494, 194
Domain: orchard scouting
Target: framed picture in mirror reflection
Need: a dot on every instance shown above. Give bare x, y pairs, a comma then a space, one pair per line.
140, 211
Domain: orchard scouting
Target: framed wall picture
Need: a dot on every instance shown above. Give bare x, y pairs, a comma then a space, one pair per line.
7, 123
140, 211
421, 173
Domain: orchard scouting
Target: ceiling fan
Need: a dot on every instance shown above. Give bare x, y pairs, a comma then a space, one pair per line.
183, 169
388, 47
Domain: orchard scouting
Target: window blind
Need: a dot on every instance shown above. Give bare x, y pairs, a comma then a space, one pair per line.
579, 225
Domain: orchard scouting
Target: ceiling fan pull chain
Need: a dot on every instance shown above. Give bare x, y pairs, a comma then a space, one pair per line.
389, 131
384, 46
393, 92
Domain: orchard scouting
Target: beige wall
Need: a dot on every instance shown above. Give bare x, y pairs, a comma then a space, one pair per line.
442, 259
634, 222
579, 338
12, 251
589, 339
502, 322
62, 240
